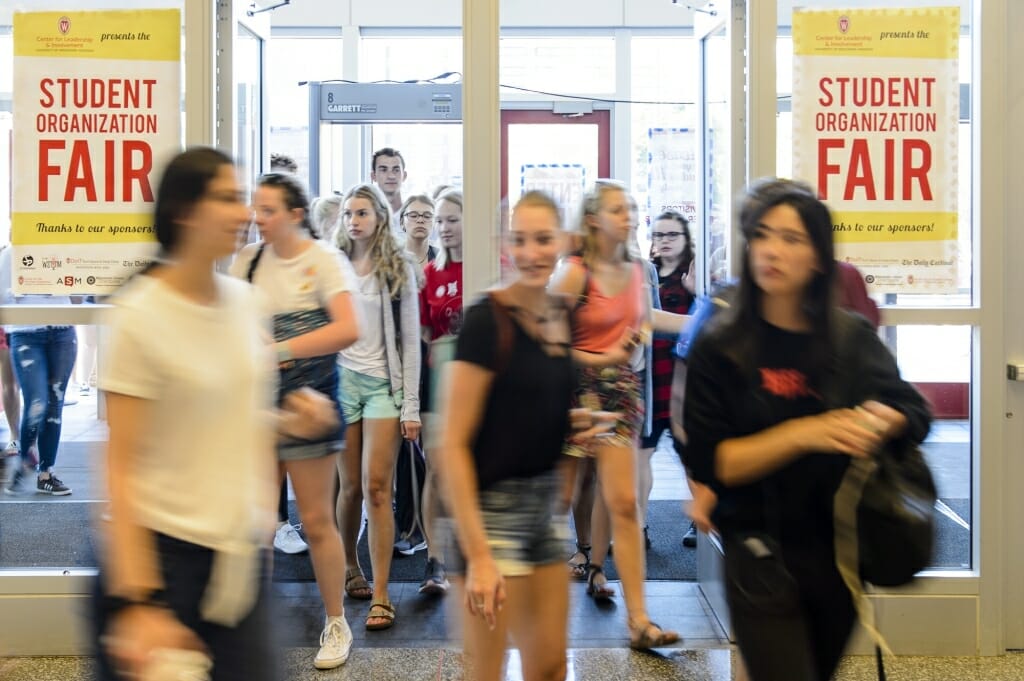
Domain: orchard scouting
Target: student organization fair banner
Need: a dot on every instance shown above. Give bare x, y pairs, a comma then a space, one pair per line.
96, 110
876, 105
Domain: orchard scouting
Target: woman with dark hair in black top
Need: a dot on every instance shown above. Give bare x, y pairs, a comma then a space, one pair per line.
767, 434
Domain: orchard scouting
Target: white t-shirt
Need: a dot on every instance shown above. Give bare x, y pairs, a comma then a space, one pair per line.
206, 462
306, 282
367, 355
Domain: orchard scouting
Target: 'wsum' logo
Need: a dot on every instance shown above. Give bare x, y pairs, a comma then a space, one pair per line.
64, 25
844, 24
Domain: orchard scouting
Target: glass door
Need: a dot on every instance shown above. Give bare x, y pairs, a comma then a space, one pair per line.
555, 152
242, 124
721, 168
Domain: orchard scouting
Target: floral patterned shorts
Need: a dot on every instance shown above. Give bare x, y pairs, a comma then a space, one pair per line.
615, 388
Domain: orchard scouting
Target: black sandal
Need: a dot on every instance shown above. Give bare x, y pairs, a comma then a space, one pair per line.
599, 592
576, 569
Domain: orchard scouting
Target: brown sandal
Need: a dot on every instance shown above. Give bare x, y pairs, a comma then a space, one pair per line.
356, 586
380, 611
641, 638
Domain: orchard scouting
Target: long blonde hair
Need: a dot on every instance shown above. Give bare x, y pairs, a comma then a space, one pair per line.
443, 256
591, 206
388, 258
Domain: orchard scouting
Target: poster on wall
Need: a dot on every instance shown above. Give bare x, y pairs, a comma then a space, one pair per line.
97, 112
876, 104
564, 182
672, 172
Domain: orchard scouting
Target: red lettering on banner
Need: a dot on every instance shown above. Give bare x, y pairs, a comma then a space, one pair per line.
140, 173
914, 163
46, 169
80, 173
136, 163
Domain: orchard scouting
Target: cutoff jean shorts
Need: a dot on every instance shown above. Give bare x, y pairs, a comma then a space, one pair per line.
523, 530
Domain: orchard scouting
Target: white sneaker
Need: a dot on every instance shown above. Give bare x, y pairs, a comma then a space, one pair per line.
287, 539
335, 644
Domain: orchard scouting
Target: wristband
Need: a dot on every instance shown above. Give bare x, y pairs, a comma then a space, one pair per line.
284, 353
152, 599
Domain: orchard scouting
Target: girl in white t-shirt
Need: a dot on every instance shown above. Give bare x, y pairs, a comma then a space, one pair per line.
380, 377
189, 382
305, 285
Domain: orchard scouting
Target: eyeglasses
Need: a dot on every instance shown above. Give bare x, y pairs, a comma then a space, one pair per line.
412, 215
665, 236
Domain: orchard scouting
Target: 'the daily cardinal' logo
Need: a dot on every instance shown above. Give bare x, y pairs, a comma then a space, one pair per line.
64, 25
844, 24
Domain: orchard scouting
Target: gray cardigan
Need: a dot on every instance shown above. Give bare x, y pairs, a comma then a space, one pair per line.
402, 346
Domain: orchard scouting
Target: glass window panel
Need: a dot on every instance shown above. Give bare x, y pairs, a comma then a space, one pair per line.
432, 153
406, 58
677, 87
559, 64
937, 360
784, 146
289, 61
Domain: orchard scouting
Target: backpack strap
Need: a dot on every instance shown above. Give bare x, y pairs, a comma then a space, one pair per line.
251, 272
506, 333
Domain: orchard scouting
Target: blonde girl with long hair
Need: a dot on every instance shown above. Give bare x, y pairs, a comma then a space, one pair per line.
380, 376
613, 317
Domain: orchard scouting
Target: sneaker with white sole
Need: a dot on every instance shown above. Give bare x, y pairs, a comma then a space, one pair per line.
410, 544
287, 539
52, 485
335, 644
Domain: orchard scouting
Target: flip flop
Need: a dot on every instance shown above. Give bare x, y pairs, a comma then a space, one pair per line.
356, 586
380, 611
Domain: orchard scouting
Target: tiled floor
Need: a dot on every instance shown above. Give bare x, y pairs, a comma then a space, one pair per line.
584, 664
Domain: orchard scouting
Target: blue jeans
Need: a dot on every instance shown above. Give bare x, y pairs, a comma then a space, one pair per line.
42, 361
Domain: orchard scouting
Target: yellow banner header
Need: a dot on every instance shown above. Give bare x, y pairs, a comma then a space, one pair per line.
922, 33
153, 35
33, 229
862, 227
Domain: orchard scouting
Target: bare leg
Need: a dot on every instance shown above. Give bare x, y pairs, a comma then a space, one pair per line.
616, 470
538, 616
313, 481
484, 647
380, 443
583, 510
349, 507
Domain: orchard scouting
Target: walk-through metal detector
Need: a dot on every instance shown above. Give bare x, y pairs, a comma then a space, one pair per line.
332, 103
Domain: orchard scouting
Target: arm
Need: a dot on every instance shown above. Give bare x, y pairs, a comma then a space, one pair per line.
669, 323
131, 548
411, 360
716, 453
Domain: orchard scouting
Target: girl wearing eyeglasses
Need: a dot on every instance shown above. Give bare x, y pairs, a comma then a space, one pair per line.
417, 217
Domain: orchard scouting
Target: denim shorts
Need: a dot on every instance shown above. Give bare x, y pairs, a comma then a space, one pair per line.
367, 397
523, 531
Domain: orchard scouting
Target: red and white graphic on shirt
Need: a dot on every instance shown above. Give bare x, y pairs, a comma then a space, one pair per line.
786, 383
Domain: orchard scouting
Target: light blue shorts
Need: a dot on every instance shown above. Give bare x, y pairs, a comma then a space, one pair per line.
367, 397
